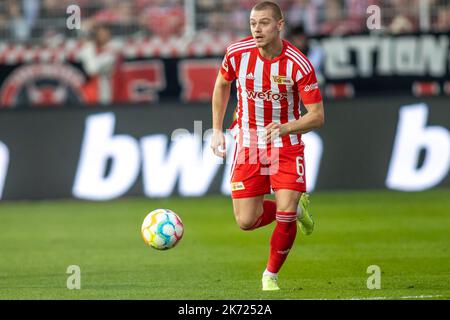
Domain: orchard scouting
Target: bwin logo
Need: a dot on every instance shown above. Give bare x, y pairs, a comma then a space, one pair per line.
413, 135
110, 164
186, 161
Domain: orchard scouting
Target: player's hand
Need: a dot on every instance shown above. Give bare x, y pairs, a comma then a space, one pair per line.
275, 130
218, 143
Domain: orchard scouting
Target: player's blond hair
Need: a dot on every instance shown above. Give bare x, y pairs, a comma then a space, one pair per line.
276, 10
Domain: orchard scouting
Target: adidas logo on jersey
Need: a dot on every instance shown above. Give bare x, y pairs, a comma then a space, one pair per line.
250, 76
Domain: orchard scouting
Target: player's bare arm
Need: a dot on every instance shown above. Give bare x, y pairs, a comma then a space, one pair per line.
221, 95
314, 119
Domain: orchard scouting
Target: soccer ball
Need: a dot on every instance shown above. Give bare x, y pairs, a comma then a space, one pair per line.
162, 229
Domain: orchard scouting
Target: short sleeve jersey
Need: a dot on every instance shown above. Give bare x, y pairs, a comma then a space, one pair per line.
268, 90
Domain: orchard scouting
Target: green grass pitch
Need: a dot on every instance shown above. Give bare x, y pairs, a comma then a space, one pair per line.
406, 234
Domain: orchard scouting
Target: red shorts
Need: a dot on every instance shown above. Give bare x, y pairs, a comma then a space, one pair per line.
255, 173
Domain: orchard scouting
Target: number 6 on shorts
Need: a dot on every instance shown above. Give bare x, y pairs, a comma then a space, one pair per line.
300, 166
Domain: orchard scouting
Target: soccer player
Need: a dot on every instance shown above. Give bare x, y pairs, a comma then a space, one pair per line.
272, 76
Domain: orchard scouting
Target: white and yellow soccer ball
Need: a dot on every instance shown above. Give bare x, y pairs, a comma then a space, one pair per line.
162, 229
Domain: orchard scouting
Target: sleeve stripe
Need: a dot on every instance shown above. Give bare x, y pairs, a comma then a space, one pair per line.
301, 59
240, 44
241, 49
299, 76
298, 63
233, 63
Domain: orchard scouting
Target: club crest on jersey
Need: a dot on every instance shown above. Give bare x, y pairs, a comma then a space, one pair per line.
281, 80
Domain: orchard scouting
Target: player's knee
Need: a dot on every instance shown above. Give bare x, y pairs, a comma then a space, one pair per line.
289, 204
245, 226
245, 223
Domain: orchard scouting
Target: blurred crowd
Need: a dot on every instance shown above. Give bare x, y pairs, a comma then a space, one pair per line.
329, 17
24, 20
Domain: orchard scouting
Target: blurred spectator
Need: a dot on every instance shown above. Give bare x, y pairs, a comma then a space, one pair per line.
19, 28
401, 24
305, 13
332, 22
206, 6
237, 18
45, 20
356, 13
102, 63
215, 22
204, 9
31, 11
115, 12
298, 37
164, 18
403, 20
441, 14
336, 21
4, 28
53, 23
52, 9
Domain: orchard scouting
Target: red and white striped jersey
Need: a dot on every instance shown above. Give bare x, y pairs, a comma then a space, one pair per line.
268, 90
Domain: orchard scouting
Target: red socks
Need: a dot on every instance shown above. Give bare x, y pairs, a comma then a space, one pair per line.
268, 215
282, 239
283, 235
